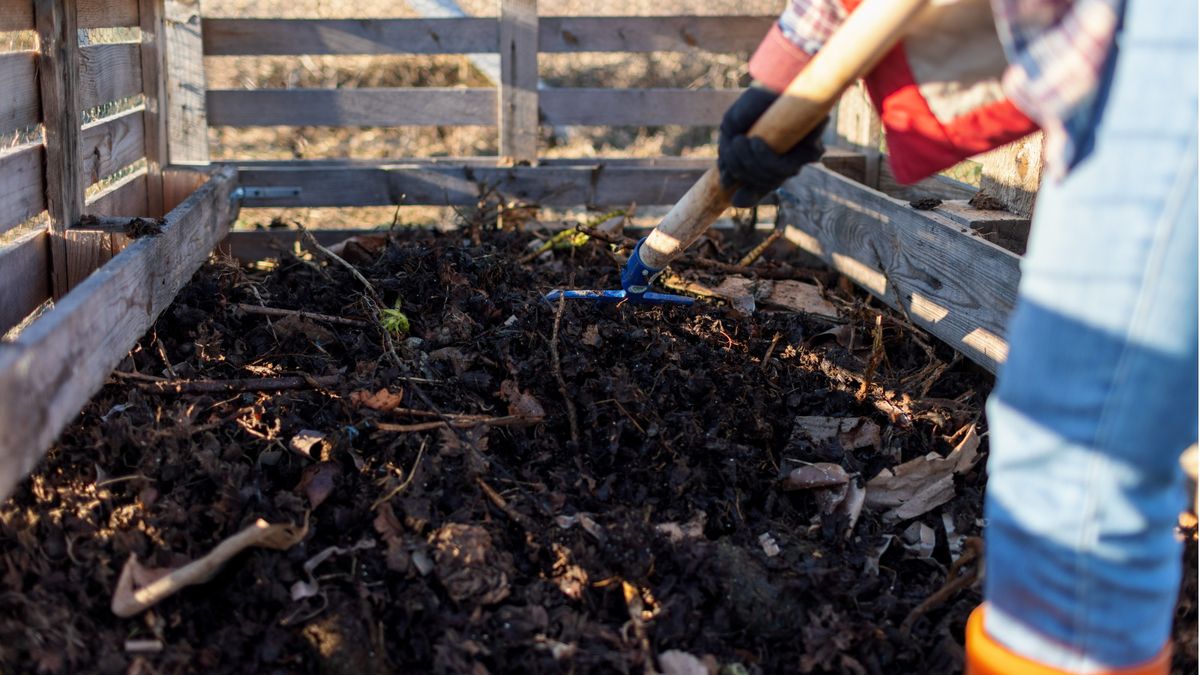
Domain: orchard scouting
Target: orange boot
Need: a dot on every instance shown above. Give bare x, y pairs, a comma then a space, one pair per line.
985, 656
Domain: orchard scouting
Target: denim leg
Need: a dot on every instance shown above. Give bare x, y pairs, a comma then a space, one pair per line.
1099, 394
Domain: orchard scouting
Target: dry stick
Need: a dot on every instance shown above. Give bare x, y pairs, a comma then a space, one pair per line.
770, 350
460, 423
235, 386
502, 504
276, 311
562, 383
953, 585
407, 481
756, 252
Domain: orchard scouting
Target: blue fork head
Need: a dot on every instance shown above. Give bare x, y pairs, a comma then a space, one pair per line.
614, 297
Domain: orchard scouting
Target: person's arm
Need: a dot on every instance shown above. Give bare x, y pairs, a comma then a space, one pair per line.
750, 163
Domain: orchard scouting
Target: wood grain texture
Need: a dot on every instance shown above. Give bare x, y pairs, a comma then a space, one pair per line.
111, 145
24, 276
154, 87
16, 15
108, 73
187, 120
125, 198
949, 281
352, 107
22, 186
284, 37
636, 107
652, 33
1013, 173
19, 108
596, 184
107, 13
59, 79
517, 102
56, 364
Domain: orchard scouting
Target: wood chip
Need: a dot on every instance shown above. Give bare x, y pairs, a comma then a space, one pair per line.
819, 475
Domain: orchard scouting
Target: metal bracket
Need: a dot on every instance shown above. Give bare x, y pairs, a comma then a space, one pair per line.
242, 194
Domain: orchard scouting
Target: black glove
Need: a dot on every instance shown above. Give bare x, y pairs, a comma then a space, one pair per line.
750, 163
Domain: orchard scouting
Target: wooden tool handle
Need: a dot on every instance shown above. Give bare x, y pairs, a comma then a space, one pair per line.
862, 40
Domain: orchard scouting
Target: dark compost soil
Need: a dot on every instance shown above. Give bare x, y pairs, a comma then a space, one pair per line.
657, 525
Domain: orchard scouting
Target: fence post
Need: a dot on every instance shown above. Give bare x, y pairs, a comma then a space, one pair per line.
154, 89
517, 117
58, 76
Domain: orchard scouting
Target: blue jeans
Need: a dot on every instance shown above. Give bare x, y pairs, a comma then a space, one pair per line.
1099, 394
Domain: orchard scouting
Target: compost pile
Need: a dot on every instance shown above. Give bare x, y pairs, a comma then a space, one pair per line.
479, 481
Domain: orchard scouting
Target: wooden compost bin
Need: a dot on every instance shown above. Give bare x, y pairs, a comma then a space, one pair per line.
67, 193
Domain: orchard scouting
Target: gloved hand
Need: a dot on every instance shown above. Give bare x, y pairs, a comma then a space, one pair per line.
749, 162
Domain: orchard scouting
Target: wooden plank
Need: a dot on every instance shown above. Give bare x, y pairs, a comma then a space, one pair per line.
352, 107
24, 276
517, 103
950, 282
155, 90
382, 185
179, 183
19, 107
652, 33
111, 145
108, 73
64, 357
1013, 173
22, 191
295, 37
856, 126
1004, 229
59, 74
636, 107
937, 187
187, 120
86, 253
125, 198
107, 13
16, 15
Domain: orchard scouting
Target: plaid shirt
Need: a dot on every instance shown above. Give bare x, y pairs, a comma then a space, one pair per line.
1057, 51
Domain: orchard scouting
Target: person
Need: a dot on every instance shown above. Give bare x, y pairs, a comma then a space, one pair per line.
1098, 396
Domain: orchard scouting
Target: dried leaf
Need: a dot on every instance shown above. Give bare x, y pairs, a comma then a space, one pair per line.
920, 485
919, 539
469, 566
305, 442
317, 482
392, 532
798, 296
521, 403
675, 662
849, 432
692, 529
382, 400
591, 336
129, 598
819, 475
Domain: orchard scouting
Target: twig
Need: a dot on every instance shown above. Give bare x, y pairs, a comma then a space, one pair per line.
770, 350
562, 383
351, 268
873, 362
277, 311
407, 481
756, 252
461, 423
502, 504
162, 354
451, 416
954, 583
232, 386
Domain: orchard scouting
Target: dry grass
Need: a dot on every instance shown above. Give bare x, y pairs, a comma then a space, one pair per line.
617, 70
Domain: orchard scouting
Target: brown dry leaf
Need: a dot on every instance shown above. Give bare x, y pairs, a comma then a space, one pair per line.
920, 485
739, 292
388, 526
317, 482
692, 529
591, 336
130, 598
819, 475
469, 567
850, 432
305, 442
302, 327
521, 403
798, 296
382, 400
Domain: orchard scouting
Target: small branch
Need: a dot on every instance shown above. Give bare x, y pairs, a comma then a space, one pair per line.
407, 481
233, 386
954, 583
562, 383
770, 350
502, 504
276, 311
756, 252
452, 423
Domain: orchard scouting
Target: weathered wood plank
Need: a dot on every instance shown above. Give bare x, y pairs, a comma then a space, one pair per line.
22, 186
1013, 173
107, 13
19, 107
380, 185
59, 75
517, 104
856, 126
652, 33
111, 145
108, 73
1004, 229
56, 364
155, 90
124, 198
24, 276
636, 107
950, 282
352, 107
294, 37
16, 15
179, 183
187, 120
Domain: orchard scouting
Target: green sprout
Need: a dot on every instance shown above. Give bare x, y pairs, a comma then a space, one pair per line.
394, 321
